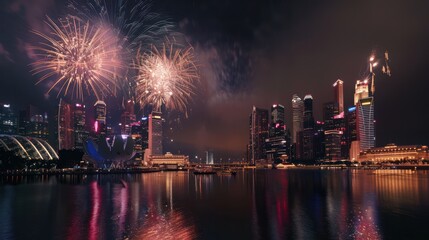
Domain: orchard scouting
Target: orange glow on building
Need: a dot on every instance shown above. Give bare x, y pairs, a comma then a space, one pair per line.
392, 152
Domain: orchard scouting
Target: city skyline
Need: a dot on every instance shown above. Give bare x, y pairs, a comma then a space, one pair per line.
239, 69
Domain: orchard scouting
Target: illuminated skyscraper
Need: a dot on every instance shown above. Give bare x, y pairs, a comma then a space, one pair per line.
32, 123
258, 133
277, 113
297, 116
136, 135
8, 120
365, 123
333, 144
339, 98
308, 132
128, 117
308, 112
319, 140
100, 110
155, 134
144, 124
79, 125
65, 126
352, 135
361, 90
362, 118
277, 146
330, 110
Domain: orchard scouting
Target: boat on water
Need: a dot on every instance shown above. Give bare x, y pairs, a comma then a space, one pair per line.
204, 170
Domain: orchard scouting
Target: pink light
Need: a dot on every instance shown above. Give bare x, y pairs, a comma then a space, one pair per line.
341, 115
277, 125
95, 202
96, 126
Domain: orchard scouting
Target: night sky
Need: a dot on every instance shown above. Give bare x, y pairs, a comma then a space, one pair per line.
260, 53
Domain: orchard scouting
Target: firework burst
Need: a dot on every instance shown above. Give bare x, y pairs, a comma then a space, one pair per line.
80, 58
135, 25
133, 20
166, 77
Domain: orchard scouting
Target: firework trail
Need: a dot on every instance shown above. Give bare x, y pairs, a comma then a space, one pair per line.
166, 77
133, 21
80, 57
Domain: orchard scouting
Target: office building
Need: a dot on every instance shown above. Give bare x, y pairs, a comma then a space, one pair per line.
258, 121
100, 112
308, 112
333, 144
65, 126
155, 134
136, 135
308, 131
33, 123
352, 134
278, 113
297, 116
361, 90
79, 126
365, 123
8, 120
338, 93
127, 117
319, 140
330, 110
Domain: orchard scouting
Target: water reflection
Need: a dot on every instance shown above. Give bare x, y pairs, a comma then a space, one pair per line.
255, 204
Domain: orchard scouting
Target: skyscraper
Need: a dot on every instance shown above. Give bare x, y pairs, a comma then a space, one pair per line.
65, 126
338, 93
361, 90
136, 135
144, 124
297, 116
333, 144
319, 140
100, 111
352, 135
277, 146
330, 110
365, 123
33, 123
277, 113
335, 140
8, 120
308, 132
308, 112
155, 134
79, 126
128, 117
258, 133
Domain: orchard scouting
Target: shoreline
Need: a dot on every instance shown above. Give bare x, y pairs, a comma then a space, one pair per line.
151, 170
